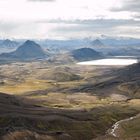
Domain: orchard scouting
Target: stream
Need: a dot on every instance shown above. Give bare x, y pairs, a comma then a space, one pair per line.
113, 130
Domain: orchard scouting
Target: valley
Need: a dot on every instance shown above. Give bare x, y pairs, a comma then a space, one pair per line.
69, 70
66, 96
47, 101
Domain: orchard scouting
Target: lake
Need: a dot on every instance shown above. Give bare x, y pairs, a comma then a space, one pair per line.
110, 61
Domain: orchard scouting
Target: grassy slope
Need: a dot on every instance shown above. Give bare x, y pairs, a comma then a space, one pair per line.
98, 113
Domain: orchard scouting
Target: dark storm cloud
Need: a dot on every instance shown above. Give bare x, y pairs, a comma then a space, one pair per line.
128, 5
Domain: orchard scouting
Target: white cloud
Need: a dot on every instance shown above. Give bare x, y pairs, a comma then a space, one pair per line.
24, 14
64, 9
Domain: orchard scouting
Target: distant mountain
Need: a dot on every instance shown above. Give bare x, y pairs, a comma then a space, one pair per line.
97, 43
84, 54
29, 50
8, 43
124, 52
115, 41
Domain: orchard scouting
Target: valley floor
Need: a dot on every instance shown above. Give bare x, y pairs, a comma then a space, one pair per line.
42, 101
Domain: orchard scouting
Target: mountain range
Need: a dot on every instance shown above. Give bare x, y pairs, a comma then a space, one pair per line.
8, 43
77, 55
97, 43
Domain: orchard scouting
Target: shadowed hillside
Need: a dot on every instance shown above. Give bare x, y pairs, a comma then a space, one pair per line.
19, 120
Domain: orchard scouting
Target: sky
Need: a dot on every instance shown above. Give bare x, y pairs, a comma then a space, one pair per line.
65, 19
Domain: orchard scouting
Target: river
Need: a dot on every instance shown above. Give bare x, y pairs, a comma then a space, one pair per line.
113, 131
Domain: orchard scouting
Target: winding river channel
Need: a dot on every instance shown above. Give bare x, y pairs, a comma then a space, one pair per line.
113, 131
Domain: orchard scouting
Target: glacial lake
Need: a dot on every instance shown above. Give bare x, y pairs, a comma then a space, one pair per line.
111, 61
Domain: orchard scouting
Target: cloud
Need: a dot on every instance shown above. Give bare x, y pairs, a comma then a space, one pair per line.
41, 0
68, 18
104, 23
85, 28
21, 29
70, 28
128, 5
7, 26
137, 16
